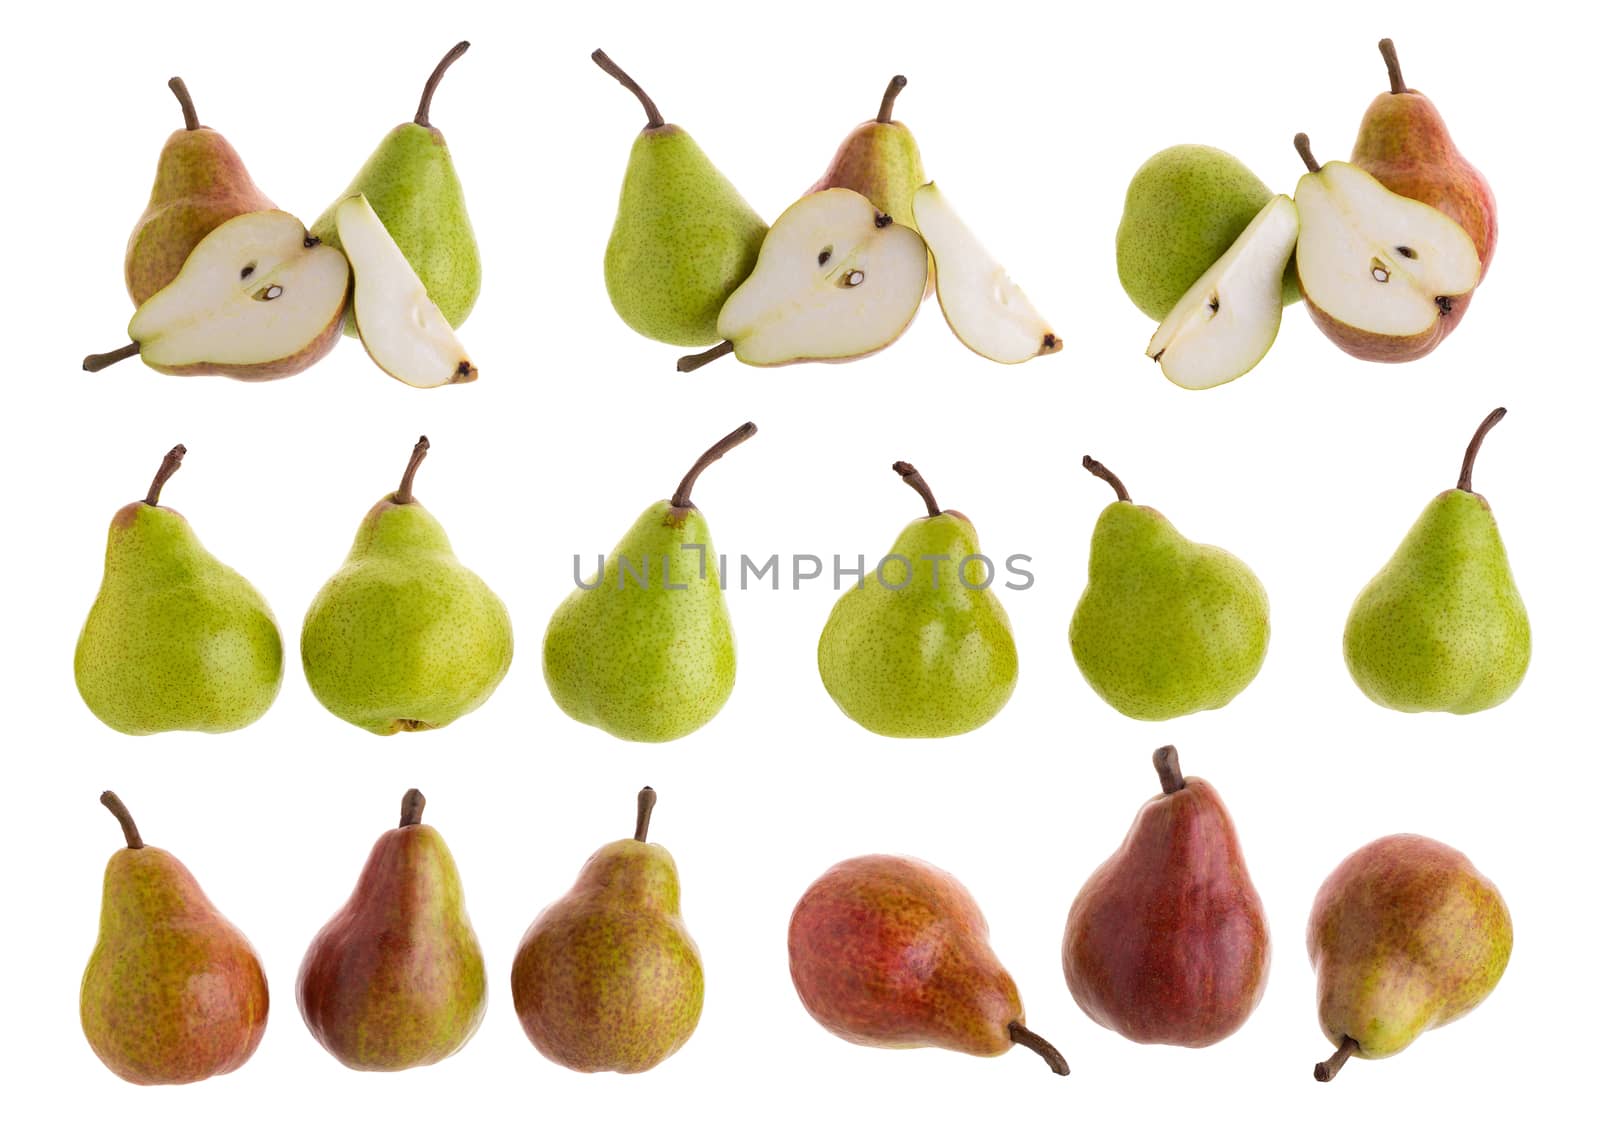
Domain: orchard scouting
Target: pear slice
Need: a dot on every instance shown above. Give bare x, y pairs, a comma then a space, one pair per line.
402, 329
1380, 272
835, 280
983, 307
1227, 320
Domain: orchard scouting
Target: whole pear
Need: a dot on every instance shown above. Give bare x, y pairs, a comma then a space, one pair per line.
175, 639
892, 952
404, 637
1405, 935
1167, 942
607, 979
395, 979
879, 160
1165, 626
173, 993
922, 648
1442, 626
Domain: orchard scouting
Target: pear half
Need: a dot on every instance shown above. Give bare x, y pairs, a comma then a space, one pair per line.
402, 329
1227, 320
985, 309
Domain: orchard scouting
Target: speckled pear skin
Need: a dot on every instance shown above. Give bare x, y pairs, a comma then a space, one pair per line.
396, 978
1405, 935
879, 160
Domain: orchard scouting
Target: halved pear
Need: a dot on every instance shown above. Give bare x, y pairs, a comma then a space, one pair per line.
401, 328
1379, 271
1227, 320
983, 307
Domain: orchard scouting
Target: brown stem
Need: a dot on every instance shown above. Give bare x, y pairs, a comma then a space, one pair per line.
403, 495
694, 362
169, 466
1166, 761
191, 120
1464, 483
432, 84
93, 363
647, 803
130, 831
1107, 476
652, 116
1391, 60
1027, 1038
1329, 1068
886, 107
1302, 144
744, 433
908, 474
411, 805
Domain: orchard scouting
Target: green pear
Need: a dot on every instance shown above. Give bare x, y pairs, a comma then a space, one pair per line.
683, 239
404, 637
411, 183
1442, 626
607, 979
1165, 626
175, 639
879, 160
922, 647
1184, 209
644, 649
173, 993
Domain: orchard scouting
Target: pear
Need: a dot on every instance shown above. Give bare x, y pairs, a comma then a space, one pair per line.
683, 239
173, 993
1185, 208
1442, 627
892, 952
411, 182
395, 979
1165, 626
879, 160
404, 637
200, 183
922, 647
836, 280
607, 979
987, 312
1405, 935
175, 638
1380, 273
1167, 942
1226, 323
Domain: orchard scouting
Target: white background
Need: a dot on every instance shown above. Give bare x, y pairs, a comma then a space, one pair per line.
1032, 119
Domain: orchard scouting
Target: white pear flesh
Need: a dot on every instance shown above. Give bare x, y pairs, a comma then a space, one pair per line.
985, 309
401, 328
1228, 319
835, 280
255, 299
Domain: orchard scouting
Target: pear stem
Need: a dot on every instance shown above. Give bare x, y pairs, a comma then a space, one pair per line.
1329, 1068
694, 362
1027, 1038
652, 116
1166, 762
1391, 60
411, 805
1302, 144
744, 433
402, 495
1464, 483
93, 363
908, 474
432, 84
886, 107
169, 466
647, 803
191, 120
130, 830
1107, 476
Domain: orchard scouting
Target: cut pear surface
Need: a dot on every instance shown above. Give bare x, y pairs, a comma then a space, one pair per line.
985, 309
836, 279
259, 297
1226, 322
401, 328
